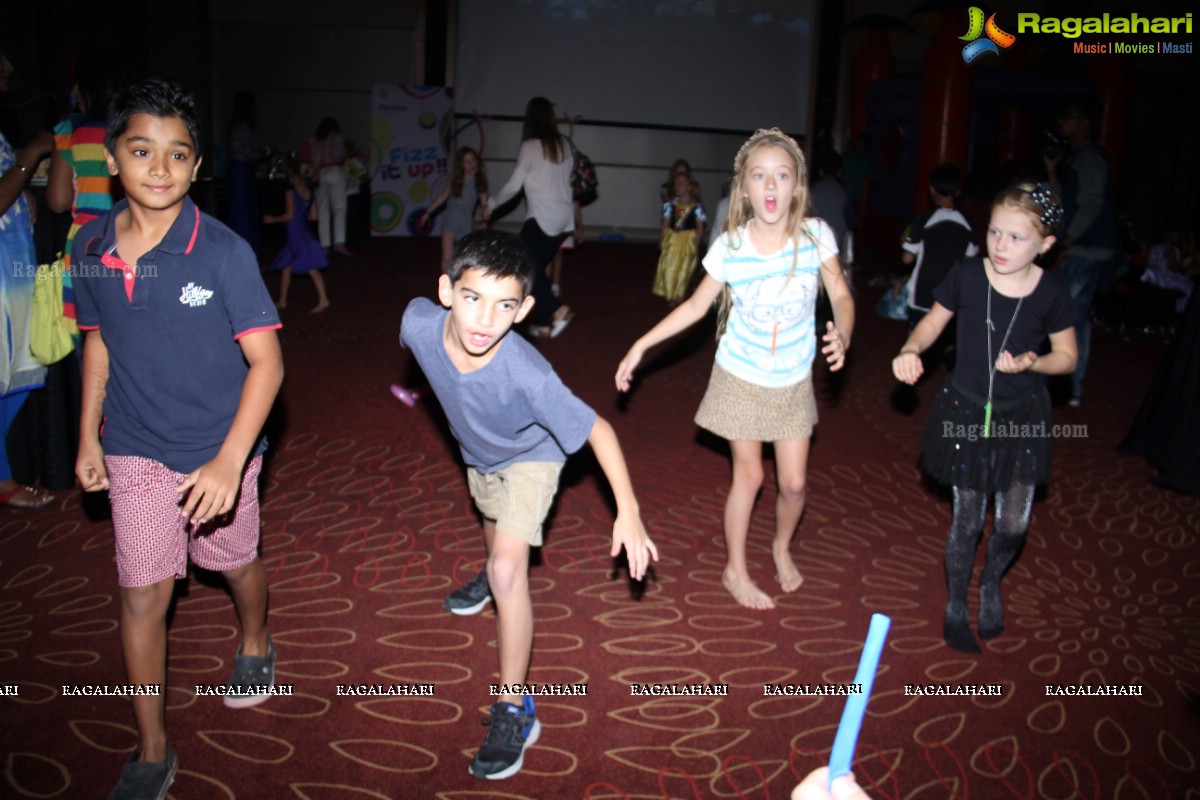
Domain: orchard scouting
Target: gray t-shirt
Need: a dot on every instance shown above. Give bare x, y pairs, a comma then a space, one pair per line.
513, 409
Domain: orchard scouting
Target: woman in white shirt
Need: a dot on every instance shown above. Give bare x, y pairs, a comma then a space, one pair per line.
544, 171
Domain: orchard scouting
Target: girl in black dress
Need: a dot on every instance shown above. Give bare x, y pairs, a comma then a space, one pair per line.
989, 431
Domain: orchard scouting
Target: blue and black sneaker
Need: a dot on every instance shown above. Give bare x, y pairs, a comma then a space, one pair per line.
471, 597
512, 730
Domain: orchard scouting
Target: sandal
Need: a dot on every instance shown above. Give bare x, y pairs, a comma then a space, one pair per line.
560, 324
36, 497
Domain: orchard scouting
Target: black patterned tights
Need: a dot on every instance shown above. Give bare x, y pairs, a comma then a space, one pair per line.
1013, 506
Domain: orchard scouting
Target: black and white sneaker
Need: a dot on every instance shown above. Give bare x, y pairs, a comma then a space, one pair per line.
471, 597
513, 729
253, 678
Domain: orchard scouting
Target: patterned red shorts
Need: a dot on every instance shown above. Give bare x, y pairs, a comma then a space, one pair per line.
154, 544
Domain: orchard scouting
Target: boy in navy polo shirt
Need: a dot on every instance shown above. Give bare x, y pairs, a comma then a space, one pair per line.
515, 423
181, 363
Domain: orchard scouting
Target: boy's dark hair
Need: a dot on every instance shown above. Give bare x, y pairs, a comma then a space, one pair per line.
1087, 107
155, 97
327, 126
498, 254
829, 163
945, 179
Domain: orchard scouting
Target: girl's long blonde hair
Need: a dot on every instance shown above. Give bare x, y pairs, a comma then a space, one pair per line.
740, 211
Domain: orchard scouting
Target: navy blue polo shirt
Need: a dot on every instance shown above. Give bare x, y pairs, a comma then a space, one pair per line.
175, 367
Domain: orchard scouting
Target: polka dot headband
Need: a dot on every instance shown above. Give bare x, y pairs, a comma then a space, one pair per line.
1052, 211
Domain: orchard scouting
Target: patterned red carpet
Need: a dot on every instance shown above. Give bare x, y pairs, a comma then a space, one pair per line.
367, 525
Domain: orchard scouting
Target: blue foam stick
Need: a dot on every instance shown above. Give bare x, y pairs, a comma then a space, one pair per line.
856, 704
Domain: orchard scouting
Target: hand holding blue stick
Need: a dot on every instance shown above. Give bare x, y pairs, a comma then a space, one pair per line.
856, 704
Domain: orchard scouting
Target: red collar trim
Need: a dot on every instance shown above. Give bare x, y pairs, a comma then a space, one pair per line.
111, 261
195, 232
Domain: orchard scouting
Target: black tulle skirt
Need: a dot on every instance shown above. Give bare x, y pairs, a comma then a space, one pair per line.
1017, 451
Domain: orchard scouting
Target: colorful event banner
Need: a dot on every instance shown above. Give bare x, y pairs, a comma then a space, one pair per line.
410, 131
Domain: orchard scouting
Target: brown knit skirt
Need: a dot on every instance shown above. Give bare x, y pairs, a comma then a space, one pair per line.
740, 411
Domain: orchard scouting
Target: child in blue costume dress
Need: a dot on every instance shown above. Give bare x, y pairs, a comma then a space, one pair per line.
302, 255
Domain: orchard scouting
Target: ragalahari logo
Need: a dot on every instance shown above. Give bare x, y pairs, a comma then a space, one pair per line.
996, 38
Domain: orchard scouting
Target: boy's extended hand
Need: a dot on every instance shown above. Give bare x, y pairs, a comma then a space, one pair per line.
89, 467
628, 530
211, 489
631, 534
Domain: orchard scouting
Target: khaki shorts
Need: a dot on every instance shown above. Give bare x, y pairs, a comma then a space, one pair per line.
517, 497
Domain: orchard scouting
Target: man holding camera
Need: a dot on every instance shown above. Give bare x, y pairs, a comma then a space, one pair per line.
1083, 183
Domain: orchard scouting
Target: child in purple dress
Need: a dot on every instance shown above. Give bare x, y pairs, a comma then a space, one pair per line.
302, 255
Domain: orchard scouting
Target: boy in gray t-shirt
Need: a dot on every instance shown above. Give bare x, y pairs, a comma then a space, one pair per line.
515, 423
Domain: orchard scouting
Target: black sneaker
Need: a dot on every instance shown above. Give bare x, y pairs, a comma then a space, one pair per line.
471, 597
146, 780
512, 730
253, 678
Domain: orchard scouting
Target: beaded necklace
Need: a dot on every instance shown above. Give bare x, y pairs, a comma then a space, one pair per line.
987, 408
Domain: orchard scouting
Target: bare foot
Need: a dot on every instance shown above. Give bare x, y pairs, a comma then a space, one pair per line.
282, 304
319, 307
746, 592
786, 574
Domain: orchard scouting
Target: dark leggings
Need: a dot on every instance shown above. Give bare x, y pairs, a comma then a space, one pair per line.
543, 247
1013, 506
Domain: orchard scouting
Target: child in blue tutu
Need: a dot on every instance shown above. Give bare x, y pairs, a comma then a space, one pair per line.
302, 255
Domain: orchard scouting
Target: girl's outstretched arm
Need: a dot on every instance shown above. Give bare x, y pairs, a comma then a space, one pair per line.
437, 203
838, 333
525, 158
907, 366
1059, 361
685, 315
